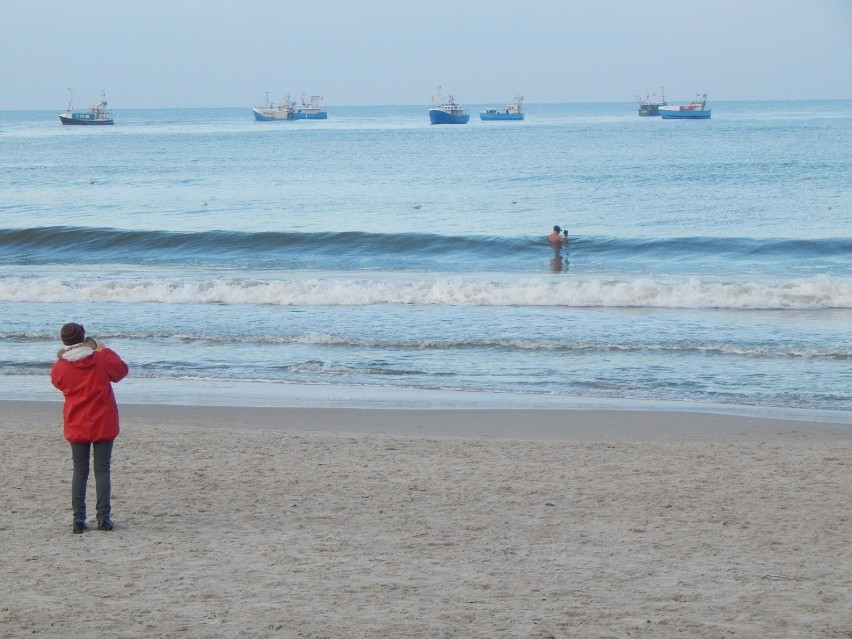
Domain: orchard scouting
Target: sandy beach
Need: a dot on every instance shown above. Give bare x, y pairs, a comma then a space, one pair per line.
250, 522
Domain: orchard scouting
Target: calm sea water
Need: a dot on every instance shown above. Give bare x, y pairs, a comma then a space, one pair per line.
373, 259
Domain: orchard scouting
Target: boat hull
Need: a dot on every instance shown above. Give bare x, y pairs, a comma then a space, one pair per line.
271, 115
71, 120
487, 115
649, 110
439, 116
310, 115
276, 115
675, 113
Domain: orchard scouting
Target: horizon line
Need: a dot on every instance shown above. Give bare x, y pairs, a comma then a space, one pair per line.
424, 104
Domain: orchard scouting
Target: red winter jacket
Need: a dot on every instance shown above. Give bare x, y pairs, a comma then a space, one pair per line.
90, 413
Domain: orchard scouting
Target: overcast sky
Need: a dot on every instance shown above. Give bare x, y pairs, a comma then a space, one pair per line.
217, 53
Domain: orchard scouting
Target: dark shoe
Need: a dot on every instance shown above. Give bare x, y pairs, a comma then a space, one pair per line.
78, 526
105, 524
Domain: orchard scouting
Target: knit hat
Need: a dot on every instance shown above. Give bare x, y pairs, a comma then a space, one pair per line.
73, 333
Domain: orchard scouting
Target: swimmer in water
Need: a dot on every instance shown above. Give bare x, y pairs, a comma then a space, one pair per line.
558, 236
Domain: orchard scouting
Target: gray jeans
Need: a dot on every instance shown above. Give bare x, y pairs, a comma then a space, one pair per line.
101, 460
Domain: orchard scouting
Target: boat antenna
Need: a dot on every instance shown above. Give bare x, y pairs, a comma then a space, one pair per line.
70, 98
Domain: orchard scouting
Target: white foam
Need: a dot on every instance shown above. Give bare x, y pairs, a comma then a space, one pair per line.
820, 292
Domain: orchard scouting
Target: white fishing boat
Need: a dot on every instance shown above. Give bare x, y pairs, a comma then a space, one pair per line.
513, 111
287, 109
282, 111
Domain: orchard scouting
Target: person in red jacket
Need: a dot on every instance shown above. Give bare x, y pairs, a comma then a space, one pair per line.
85, 371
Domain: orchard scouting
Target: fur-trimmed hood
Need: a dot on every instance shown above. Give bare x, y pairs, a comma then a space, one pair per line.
75, 352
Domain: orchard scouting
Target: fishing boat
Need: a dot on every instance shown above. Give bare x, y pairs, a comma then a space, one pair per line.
98, 114
271, 112
287, 109
695, 110
446, 112
311, 110
651, 103
513, 111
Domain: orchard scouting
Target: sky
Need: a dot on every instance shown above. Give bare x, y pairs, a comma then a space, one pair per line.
218, 53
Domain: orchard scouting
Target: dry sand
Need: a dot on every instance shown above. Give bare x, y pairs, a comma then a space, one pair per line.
371, 523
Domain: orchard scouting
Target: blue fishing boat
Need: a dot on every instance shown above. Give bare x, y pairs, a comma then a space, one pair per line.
311, 110
94, 115
446, 112
695, 110
514, 111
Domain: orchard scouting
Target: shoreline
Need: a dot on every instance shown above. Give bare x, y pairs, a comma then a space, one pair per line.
549, 424
230, 395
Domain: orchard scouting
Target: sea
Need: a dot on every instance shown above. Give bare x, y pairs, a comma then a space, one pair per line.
375, 260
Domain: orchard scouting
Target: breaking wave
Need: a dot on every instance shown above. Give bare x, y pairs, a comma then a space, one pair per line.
820, 292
